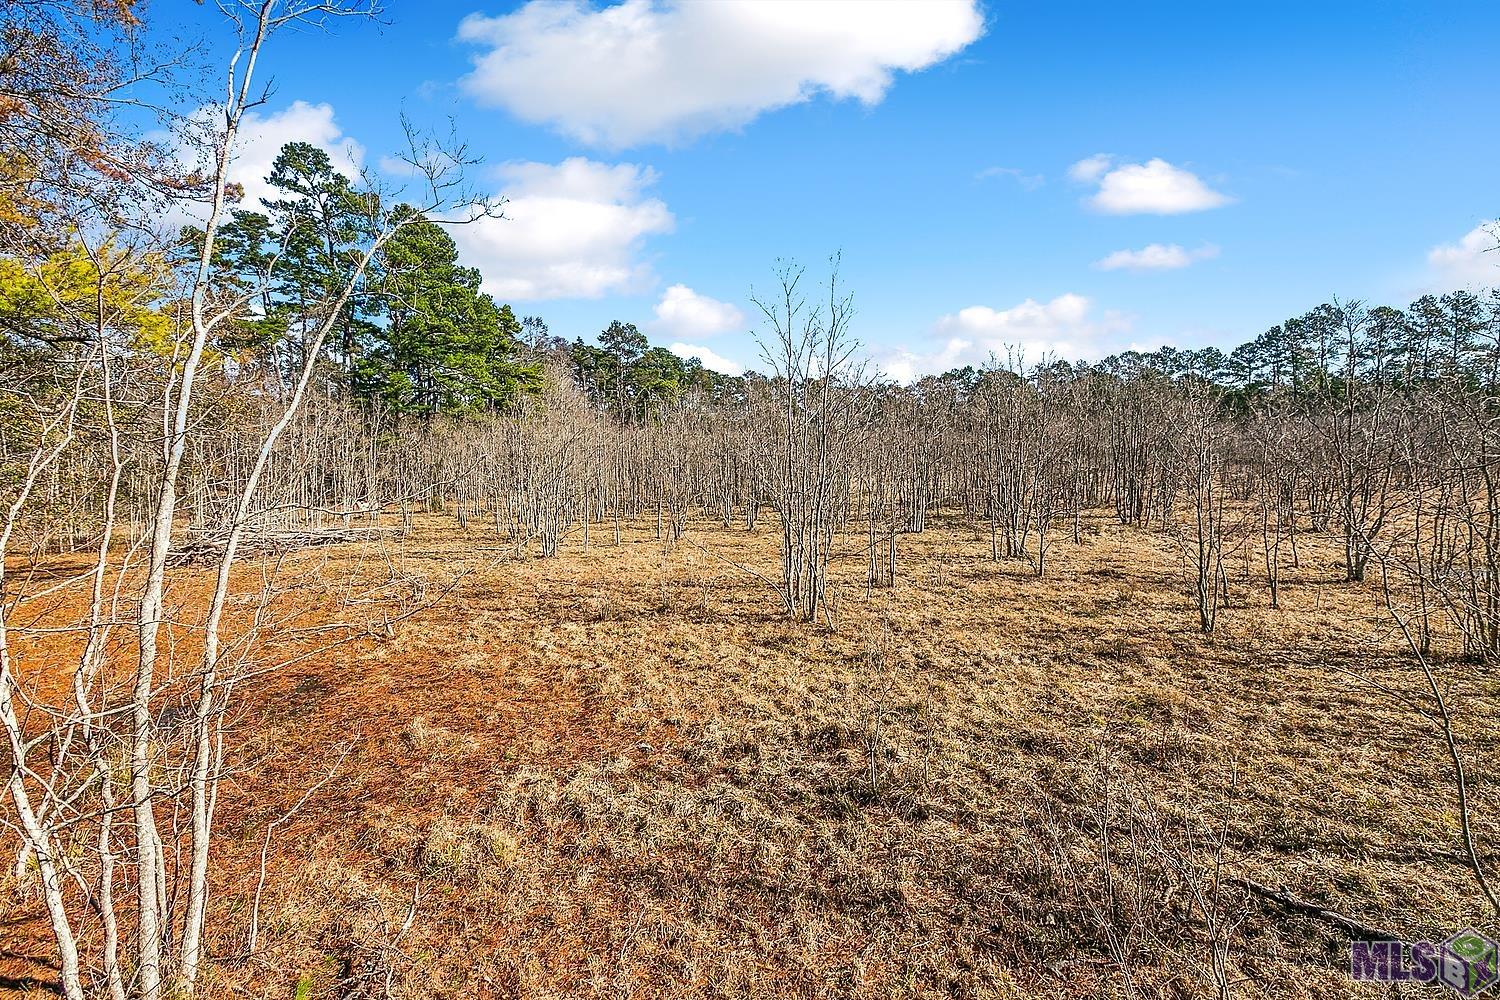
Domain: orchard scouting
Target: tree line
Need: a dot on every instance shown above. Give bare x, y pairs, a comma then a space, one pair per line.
1454, 336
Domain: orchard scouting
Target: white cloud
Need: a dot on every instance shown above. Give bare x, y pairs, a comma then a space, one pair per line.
1156, 257
261, 139
1151, 188
905, 365
658, 70
1473, 260
572, 230
711, 361
1028, 181
682, 312
394, 166
1067, 327
1090, 168
406, 166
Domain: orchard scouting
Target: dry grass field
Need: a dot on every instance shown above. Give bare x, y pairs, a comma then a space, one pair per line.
623, 772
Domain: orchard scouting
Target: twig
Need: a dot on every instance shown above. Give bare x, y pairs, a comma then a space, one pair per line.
265, 847
1355, 927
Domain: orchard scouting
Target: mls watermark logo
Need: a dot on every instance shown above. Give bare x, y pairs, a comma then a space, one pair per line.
1467, 963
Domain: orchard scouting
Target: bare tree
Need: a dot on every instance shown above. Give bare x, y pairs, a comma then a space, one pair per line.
820, 412
62, 779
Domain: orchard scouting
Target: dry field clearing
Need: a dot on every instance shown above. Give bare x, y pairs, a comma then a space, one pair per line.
622, 772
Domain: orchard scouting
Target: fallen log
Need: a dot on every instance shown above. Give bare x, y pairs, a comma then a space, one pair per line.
206, 548
1353, 926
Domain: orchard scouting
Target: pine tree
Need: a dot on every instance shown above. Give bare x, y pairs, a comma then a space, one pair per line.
441, 344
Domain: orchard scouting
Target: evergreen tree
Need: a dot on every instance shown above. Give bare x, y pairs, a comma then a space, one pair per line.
594, 369
1424, 334
1464, 323
625, 344
443, 344
656, 380
1386, 339
324, 226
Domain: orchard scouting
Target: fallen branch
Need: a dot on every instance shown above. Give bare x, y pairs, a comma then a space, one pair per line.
265, 849
1355, 927
206, 548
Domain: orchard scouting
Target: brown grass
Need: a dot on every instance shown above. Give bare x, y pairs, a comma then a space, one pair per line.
622, 772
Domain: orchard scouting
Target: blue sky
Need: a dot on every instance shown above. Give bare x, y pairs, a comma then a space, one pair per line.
1259, 158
